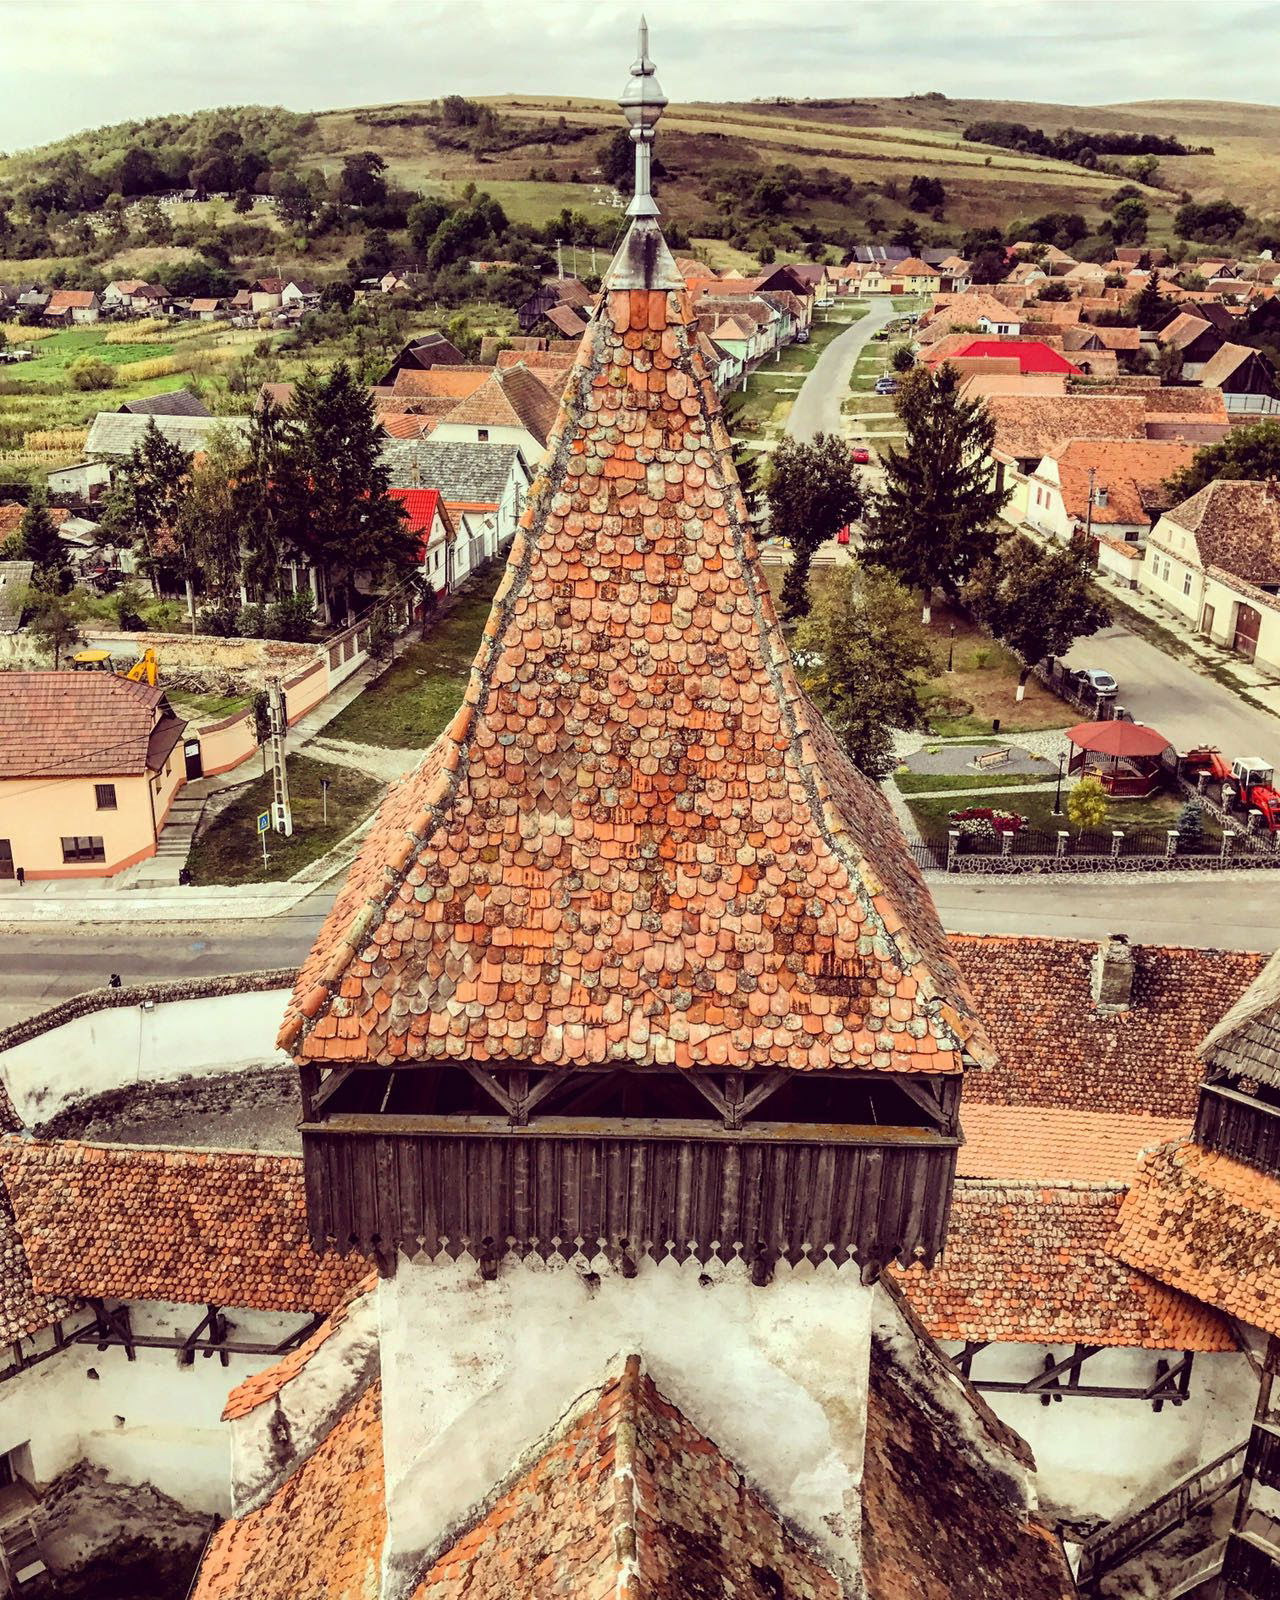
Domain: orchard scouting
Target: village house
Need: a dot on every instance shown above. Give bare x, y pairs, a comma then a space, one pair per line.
481, 486
72, 306
1109, 492
422, 353
512, 406
115, 434
1195, 340
426, 515
299, 293
1215, 561
170, 403
266, 294
89, 794
208, 308
553, 292
1246, 379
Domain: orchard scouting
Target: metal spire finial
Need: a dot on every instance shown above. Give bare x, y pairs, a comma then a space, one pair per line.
643, 102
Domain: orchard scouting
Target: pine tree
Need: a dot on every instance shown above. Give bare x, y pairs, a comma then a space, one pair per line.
1037, 600
345, 522
814, 490
41, 543
931, 523
1149, 306
145, 503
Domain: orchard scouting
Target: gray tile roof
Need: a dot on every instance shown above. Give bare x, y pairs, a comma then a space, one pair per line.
115, 433
1247, 1040
14, 578
475, 474
173, 403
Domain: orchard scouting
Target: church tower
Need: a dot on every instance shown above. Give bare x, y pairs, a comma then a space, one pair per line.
634, 1025
636, 956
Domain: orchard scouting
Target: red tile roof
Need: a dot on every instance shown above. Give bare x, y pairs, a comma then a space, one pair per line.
1056, 1050
1132, 473
451, 382
76, 724
1235, 525
1036, 1144
203, 1226
637, 842
1039, 425
72, 300
271, 1381
938, 1523
320, 1535
1031, 354
512, 397
1033, 1263
1208, 1225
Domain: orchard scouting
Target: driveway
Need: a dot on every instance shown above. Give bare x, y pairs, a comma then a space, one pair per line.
817, 406
1187, 706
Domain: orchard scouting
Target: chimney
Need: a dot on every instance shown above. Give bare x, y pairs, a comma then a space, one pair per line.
1100, 499
1111, 975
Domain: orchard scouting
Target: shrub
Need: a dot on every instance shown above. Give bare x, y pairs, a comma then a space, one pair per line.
251, 622
1190, 824
128, 604
987, 820
220, 619
292, 617
91, 372
1087, 805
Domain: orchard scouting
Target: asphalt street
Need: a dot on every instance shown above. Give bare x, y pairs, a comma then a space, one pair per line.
1188, 707
817, 406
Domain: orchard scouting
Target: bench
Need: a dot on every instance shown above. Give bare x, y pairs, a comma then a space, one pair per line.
993, 758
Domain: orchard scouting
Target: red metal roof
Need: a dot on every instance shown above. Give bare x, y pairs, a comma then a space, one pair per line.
1118, 738
1030, 354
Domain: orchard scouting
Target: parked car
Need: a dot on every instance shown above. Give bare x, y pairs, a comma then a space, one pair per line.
1098, 680
803, 336
860, 456
886, 386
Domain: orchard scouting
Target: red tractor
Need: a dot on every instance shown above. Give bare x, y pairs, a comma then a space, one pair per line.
1251, 778
1209, 760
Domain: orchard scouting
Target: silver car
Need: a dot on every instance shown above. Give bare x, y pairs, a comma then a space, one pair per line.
1099, 680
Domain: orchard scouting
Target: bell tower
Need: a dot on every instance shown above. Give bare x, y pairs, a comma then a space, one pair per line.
636, 962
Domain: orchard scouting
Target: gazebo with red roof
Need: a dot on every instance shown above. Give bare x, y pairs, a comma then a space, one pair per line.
1127, 756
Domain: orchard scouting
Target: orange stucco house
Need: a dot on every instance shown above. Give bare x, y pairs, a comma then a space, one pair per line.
89, 765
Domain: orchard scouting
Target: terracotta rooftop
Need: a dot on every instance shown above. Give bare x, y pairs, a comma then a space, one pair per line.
1247, 1040
1132, 473
78, 724
449, 382
510, 398
1033, 1263
267, 1384
1032, 1144
636, 841
1207, 1225
1236, 526
203, 1226
1054, 1047
1183, 330
935, 1524
1224, 363
566, 320
320, 1535
1038, 426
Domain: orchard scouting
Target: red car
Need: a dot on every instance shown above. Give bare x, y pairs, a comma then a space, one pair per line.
861, 456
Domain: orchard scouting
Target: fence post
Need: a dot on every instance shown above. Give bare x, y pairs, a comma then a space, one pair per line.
1063, 836
1253, 819
1228, 839
1006, 843
1170, 842
1202, 778
953, 847
1228, 795
1117, 839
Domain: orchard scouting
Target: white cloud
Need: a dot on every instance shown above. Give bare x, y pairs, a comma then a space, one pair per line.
115, 59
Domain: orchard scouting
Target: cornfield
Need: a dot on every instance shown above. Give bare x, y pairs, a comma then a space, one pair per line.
156, 367
136, 332
59, 439
26, 335
45, 460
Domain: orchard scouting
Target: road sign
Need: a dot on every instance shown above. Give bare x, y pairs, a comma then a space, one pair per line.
264, 821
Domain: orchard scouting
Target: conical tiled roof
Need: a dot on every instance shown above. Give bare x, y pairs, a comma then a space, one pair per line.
637, 841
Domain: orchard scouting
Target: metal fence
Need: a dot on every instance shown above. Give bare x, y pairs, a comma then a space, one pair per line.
1118, 850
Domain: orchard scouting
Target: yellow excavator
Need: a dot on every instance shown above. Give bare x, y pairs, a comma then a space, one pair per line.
145, 670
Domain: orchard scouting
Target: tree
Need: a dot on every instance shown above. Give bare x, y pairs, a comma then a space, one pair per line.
209, 528
42, 544
342, 518
907, 235
926, 194
1190, 824
424, 218
91, 372
1054, 289
1087, 806
361, 182
1128, 222
931, 523
295, 203
55, 622
989, 265
902, 360
1252, 452
859, 653
814, 489
1149, 306
1037, 600
145, 503
1211, 223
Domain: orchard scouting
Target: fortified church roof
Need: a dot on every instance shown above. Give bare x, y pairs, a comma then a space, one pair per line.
637, 842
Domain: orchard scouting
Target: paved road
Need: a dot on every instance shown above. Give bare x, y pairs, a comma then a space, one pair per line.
817, 406
1185, 705
1237, 912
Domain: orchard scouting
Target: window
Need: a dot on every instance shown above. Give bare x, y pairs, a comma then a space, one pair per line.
1166, 572
105, 796
83, 849
1186, 583
482, 434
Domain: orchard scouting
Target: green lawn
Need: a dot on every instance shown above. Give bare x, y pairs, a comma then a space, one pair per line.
54, 356
210, 706
231, 851
910, 783
414, 698
1160, 812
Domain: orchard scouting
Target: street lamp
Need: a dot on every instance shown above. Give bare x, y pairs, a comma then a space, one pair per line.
951, 648
1057, 799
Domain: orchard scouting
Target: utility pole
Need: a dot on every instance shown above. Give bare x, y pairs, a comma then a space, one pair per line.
1088, 524
559, 258
281, 813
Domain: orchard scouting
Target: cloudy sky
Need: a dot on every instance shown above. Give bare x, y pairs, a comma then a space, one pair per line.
79, 63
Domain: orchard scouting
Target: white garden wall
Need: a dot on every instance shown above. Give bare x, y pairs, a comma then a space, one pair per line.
122, 1047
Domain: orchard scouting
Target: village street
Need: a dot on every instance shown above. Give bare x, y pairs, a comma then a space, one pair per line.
823, 392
